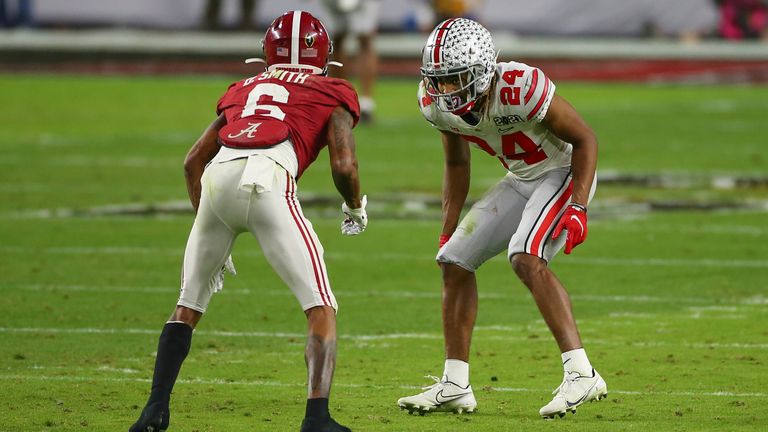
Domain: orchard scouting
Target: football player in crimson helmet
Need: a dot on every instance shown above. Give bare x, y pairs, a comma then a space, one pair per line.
307, 53
549, 154
242, 176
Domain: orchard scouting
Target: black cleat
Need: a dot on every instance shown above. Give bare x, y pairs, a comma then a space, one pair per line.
314, 424
154, 418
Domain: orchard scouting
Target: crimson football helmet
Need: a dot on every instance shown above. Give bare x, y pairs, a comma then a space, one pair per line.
298, 42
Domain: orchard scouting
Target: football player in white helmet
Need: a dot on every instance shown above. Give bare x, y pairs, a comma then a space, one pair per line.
509, 110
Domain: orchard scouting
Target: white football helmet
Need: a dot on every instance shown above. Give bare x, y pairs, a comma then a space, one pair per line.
461, 51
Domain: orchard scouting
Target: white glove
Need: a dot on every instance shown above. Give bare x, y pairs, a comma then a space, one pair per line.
229, 266
217, 281
356, 219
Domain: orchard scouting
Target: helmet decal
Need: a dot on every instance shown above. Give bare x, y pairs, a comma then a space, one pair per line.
309, 40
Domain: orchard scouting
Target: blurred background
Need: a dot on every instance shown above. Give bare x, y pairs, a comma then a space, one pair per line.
647, 40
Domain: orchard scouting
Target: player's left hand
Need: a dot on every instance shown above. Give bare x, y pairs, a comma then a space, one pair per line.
574, 220
356, 219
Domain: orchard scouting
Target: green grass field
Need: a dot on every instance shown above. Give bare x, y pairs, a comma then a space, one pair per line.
671, 305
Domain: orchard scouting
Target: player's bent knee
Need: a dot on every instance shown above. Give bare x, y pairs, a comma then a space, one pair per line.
186, 315
454, 274
322, 321
526, 266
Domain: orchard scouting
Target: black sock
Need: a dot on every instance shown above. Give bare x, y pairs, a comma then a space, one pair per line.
172, 349
317, 408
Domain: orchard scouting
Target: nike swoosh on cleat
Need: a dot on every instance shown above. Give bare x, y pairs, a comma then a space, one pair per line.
449, 398
570, 404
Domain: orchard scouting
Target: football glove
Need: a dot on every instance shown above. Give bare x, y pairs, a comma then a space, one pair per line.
217, 281
355, 220
574, 220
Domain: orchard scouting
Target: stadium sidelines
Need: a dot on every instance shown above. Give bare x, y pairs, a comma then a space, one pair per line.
653, 262
376, 337
221, 382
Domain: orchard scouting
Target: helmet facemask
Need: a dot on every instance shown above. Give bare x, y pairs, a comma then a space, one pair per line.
464, 93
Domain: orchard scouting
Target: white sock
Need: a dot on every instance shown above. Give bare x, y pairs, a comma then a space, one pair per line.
457, 372
577, 361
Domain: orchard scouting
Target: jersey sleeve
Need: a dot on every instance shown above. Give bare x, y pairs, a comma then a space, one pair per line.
226, 100
346, 96
538, 92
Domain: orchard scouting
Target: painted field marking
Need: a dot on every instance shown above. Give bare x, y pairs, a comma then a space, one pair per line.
733, 304
376, 337
261, 383
756, 300
598, 261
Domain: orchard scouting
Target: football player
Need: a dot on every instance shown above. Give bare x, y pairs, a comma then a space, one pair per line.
241, 177
357, 18
512, 112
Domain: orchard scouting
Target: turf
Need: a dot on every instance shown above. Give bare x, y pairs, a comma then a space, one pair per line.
671, 305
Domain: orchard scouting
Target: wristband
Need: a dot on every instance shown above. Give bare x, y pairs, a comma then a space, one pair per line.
578, 207
444, 239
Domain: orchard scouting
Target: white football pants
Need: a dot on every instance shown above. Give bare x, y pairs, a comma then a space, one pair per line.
231, 204
515, 214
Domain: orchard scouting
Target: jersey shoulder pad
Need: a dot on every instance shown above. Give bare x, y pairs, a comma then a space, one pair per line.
536, 92
341, 91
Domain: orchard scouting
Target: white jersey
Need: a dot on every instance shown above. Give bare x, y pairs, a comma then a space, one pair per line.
511, 130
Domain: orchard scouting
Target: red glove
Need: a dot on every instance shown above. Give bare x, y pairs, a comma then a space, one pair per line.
444, 239
574, 220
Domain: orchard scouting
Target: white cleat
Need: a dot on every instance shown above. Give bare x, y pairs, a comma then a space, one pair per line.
440, 396
574, 391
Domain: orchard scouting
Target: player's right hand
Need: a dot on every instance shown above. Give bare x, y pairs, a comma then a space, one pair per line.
574, 221
355, 220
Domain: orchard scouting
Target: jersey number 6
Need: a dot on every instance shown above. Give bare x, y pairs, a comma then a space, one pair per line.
266, 92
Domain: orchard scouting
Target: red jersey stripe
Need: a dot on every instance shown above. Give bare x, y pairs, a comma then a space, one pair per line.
541, 100
289, 197
534, 83
320, 263
537, 245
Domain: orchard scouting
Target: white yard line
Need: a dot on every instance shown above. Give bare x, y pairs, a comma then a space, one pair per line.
732, 304
745, 230
261, 383
598, 261
377, 337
